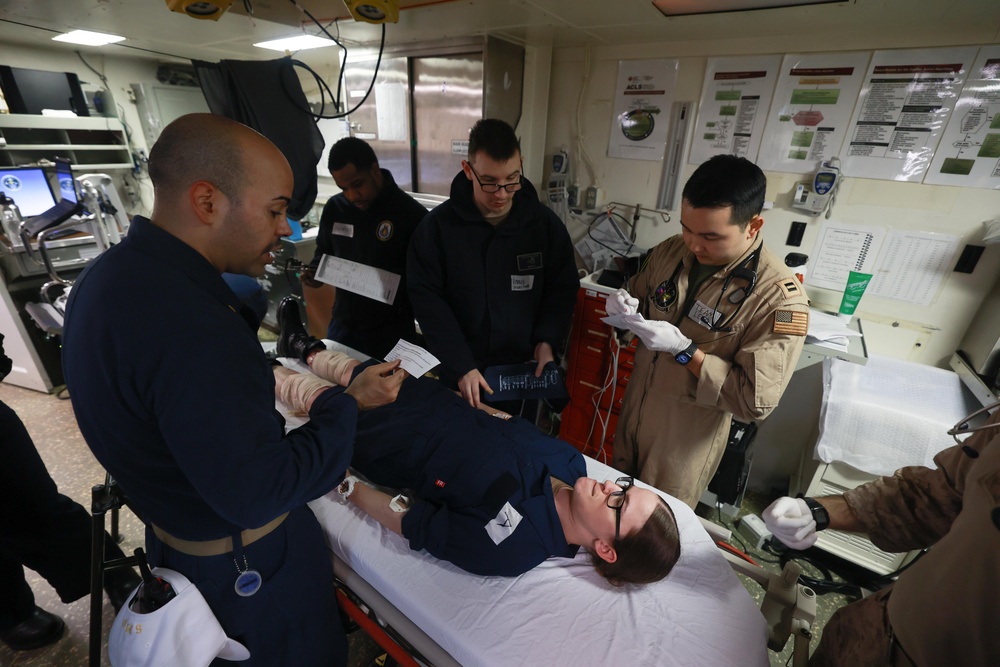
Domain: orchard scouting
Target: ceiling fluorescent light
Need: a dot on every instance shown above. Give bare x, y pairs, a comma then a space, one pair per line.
299, 43
688, 7
88, 38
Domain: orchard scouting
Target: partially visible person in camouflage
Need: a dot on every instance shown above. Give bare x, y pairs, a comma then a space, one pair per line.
943, 610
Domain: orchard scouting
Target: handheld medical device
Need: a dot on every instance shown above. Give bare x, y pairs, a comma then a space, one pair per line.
819, 195
557, 183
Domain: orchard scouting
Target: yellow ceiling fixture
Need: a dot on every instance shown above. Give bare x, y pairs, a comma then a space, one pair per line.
374, 11
200, 9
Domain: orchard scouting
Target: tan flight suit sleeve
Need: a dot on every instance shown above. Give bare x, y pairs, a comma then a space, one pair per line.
916, 506
750, 386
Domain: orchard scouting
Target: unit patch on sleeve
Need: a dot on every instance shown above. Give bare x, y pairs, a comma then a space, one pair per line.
791, 322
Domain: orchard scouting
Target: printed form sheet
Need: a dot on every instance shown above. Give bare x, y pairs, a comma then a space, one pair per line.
912, 266
361, 279
734, 103
905, 103
811, 110
840, 249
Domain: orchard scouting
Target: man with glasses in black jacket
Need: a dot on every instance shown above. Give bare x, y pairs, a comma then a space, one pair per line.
491, 271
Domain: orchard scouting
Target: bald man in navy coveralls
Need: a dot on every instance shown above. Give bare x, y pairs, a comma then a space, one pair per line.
176, 399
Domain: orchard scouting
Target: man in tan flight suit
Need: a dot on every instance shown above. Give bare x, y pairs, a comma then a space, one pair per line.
943, 609
723, 323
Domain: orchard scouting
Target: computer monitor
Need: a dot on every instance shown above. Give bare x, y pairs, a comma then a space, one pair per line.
31, 90
29, 188
62, 182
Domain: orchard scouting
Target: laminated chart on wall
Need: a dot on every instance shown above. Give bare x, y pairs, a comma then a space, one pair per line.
906, 100
361, 279
969, 151
841, 248
735, 99
912, 265
811, 110
644, 95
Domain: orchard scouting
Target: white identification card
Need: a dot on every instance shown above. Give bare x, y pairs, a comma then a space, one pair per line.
343, 229
361, 279
503, 526
703, 315
521, 283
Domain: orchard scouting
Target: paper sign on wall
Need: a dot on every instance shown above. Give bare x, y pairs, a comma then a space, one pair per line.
735, 100
644, 95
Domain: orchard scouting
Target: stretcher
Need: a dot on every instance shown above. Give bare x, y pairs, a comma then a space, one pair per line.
561, 612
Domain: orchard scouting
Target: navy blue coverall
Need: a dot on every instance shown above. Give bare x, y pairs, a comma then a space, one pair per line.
175, 397
463, 468
486, 295
377, 237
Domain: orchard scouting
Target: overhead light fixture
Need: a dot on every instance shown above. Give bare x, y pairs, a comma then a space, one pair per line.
688, 7
199, 9
374, 11
88, 38
298, 43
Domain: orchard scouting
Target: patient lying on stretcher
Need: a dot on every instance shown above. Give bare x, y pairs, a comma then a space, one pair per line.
493, 496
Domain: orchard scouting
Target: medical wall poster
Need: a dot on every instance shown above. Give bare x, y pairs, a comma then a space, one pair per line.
912, 266
840, 249
644, 95
735, 100
811, 110
969, 152
906, 100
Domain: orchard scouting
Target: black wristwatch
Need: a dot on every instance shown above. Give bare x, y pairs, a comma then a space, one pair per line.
820, 515
684, 356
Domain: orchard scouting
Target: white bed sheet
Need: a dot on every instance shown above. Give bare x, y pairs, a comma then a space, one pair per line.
562, 612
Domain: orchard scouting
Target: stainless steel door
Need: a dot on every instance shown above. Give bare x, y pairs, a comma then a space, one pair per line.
384, 118
447, 101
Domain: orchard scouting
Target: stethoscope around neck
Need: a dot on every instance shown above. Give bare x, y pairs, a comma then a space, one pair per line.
746, 270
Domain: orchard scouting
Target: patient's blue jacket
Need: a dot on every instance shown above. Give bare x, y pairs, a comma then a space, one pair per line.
466, 471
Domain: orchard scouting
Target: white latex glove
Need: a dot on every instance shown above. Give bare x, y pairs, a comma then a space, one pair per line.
791, 521
621, 303
660, 336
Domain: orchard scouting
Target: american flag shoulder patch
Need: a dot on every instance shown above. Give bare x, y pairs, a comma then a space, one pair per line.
791, 322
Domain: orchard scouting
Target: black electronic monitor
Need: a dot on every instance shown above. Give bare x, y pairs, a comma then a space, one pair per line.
29, 188
62, 182
31, 90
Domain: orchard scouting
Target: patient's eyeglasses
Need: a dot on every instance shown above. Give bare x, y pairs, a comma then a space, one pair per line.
494, 187
616, 501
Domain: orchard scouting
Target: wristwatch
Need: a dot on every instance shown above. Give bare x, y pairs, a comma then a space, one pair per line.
684, 356
819, 513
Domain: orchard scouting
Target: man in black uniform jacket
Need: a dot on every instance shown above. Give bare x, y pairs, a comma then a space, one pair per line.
370, 223
42, 529
492, 275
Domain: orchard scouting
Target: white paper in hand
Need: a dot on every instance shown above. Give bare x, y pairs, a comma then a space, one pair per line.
415, 360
